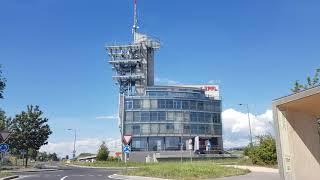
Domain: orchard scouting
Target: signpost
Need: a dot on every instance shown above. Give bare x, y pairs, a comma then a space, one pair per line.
4, 135
3, 149
126, 150
190, 148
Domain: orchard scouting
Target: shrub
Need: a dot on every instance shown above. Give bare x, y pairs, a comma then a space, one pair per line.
264, 153
103, 152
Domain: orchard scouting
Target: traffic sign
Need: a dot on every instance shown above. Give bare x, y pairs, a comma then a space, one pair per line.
127, 139
209, 144
4, 134
4, 148
126, 149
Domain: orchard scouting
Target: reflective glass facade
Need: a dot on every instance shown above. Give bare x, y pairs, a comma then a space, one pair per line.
166, 116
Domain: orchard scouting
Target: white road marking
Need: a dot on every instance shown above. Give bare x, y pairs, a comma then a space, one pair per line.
64, 178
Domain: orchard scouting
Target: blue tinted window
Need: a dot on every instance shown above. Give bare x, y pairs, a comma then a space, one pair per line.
136, 104
145, 116
162, 116
185, 104
129, 104
169, 104
177, 104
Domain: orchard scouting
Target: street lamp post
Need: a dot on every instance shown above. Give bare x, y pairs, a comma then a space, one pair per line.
74, 143
247, 105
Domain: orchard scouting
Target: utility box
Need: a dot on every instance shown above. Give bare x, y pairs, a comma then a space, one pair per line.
297, 125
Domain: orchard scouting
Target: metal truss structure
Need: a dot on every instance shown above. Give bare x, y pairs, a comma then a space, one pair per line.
133, 64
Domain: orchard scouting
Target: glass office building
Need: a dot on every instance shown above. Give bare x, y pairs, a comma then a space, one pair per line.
161, 118
165, 118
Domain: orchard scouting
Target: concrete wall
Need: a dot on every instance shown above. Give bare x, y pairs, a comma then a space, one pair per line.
298, 145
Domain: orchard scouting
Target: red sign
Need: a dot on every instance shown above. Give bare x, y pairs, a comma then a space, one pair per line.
210, 88
118, 154
126, 139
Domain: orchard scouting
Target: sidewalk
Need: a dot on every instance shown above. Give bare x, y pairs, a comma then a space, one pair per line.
121, 177
257, 173
255, 168
29, 170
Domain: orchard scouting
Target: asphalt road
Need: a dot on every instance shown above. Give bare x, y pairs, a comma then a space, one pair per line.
69, 173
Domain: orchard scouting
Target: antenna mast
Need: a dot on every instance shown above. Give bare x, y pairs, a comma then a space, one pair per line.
135, 21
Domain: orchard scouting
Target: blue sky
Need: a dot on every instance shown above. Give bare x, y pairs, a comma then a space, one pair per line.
53, 55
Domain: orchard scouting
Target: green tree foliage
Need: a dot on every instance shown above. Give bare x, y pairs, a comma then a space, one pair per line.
263, 153
297, 87
29, 131
2, 83
3, 119
53, 157
311, 82
103, 152
44, 156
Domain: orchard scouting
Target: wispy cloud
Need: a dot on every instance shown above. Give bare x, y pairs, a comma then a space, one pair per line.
107, 117
166, 81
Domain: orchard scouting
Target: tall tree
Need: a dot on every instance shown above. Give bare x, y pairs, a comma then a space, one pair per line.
2, 83
103, 152
29, 131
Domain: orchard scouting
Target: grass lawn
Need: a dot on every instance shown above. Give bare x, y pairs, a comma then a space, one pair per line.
185, 170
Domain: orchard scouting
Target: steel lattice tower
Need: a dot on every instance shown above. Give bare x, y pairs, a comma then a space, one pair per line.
133, 63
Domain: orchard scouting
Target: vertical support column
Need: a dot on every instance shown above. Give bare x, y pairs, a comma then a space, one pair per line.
283, 147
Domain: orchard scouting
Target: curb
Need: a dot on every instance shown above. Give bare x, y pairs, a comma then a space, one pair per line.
36, 170
9, 177
92, 167
122, 177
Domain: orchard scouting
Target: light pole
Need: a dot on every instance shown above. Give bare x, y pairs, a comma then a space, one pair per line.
74, 143
247, 105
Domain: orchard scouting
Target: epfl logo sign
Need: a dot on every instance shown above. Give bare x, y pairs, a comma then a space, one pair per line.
209, 88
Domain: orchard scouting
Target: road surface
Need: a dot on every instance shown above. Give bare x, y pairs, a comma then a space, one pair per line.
69, 173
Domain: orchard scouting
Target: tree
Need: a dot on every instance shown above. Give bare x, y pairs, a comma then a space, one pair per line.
42, 156
103, 152
53, 157
297, 87
311, 82
2, 83
263, 153
3, 119
29, 131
